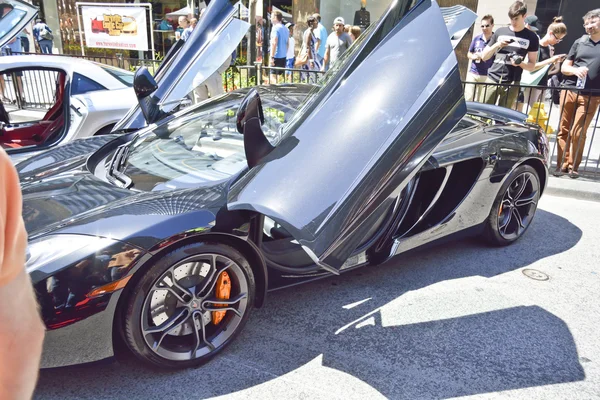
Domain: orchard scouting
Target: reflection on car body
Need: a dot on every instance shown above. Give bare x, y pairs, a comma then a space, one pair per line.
197, 213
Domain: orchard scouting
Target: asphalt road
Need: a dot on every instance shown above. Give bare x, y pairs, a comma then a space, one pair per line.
458, 320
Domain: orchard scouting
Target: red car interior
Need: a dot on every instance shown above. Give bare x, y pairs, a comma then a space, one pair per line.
38, 132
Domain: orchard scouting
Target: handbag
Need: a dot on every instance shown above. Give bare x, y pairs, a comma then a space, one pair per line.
45, 34
533, 78
302, 57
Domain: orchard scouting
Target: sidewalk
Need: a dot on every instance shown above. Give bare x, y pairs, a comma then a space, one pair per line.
581, 189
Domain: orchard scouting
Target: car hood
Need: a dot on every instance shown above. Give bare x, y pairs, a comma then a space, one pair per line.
13, 22
205, 52
59, 159
77, 202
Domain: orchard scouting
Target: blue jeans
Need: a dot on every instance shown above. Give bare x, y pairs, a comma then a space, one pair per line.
25, 44
45, 46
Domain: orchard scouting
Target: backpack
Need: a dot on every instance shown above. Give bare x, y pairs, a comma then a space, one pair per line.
45, 34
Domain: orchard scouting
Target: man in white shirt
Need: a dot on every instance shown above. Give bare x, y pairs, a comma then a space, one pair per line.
291, 50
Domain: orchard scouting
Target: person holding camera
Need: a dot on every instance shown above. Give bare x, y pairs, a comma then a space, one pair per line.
510, 45
548, 63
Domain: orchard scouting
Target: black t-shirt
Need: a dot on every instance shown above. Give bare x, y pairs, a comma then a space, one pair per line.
362, 18
543, 55
524, 41
585, 53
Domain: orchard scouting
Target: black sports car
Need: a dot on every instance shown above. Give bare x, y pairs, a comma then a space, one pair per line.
168, 235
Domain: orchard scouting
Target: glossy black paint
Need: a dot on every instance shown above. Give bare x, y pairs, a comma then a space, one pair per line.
68, 157
249, 120
404, 136
61, 200
143, 83
379, 141
143, 86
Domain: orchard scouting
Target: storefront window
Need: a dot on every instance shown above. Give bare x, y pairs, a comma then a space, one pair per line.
354, 12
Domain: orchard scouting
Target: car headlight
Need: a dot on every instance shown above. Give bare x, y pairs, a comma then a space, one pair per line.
51, 248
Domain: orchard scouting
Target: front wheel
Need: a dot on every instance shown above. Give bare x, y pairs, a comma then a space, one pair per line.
514, 207
189, 305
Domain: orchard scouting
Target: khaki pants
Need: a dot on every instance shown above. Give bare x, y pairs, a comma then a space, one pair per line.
504, 96
474, 92
577, 114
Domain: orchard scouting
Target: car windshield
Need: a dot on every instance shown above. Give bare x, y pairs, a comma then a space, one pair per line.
201, 146
125, 77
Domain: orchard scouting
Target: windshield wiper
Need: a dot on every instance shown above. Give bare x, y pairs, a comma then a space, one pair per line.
118, 163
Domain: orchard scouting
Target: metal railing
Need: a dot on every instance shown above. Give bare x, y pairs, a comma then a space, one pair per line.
570, 129
33, 90
127, 63
541, 104
241, 76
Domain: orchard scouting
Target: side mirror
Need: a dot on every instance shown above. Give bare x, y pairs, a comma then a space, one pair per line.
143, 86
250, 107
249, 120
143, 83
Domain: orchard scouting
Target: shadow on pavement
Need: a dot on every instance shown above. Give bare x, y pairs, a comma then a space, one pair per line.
509, 347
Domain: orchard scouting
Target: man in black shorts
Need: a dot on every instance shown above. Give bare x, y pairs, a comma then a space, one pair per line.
511, 46
279, 42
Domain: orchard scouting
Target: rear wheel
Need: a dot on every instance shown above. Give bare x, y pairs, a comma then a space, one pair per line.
189, 305
514, 207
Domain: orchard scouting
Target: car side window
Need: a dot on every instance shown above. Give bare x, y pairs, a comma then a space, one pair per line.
82, 85
463, 125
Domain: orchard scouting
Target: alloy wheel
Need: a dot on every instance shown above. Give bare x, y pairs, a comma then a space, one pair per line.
518, 206
177, 316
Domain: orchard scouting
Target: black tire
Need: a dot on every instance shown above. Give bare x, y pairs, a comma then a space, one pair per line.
140, 318
507, 225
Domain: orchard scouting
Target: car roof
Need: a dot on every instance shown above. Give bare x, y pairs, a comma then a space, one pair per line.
68, 64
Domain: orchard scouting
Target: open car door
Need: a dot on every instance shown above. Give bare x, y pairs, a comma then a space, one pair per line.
383, 109
14, 15
206, 50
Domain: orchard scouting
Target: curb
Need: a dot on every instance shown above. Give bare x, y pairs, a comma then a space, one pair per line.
580, 189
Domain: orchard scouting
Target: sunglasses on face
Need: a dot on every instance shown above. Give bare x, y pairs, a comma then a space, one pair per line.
558, 40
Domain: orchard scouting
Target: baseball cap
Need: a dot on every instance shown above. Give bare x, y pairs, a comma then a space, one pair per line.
533, 22
289, 25
339, 20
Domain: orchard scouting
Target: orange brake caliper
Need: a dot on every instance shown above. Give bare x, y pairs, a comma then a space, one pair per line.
222, 292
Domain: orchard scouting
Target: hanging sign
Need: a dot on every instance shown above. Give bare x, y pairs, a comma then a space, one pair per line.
122, 28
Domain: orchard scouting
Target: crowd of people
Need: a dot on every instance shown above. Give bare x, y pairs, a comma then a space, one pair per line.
511, 66
42, 35
318, 51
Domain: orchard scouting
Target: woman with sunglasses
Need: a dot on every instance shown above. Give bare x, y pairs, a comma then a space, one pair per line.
546, 60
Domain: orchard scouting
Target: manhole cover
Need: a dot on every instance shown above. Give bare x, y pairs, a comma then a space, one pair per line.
535, 274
